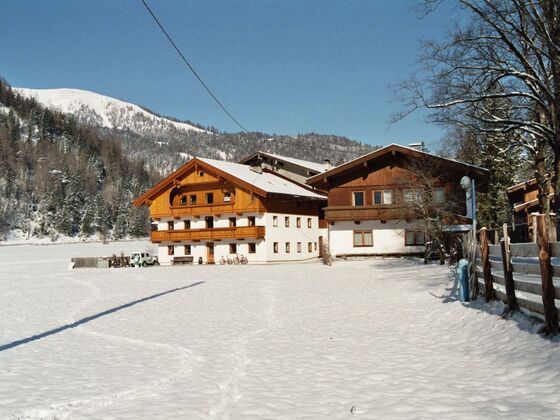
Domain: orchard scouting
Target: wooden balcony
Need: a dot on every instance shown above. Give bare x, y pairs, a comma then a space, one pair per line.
378, 212
204, 210
214, 234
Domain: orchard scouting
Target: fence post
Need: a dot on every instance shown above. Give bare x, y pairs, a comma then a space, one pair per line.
550, 314
471, 256
485, 256
508, 273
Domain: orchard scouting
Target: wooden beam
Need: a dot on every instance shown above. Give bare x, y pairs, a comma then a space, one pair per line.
486, 270
550, 315
508, 273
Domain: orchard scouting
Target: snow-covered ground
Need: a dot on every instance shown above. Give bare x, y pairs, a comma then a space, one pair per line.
362, 339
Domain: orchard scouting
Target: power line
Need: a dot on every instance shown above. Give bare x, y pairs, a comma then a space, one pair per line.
191, 67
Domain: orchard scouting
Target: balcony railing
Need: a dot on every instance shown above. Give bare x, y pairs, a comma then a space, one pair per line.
213, 234
378, 212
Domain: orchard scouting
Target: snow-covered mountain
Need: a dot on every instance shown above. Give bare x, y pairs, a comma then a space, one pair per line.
163, 144
104, 111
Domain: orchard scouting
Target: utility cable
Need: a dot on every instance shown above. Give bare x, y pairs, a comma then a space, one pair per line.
191, 68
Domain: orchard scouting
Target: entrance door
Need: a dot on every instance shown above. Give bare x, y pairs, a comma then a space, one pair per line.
210, 253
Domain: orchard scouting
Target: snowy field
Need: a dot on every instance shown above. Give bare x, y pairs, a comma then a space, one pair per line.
364, 339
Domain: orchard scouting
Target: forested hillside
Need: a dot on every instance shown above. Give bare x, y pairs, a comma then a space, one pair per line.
76, 173
57, 177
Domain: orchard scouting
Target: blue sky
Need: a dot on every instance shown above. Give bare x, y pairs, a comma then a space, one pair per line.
279, 66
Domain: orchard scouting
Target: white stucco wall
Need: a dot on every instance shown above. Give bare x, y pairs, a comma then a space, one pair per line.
293, 235
388, 238
264, 248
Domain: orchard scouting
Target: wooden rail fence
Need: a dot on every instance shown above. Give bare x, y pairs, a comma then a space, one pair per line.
521, 274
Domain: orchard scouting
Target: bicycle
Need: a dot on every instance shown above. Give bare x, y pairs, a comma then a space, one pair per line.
240, 259
227, 261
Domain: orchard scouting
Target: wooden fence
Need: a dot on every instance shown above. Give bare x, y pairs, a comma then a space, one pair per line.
521, 274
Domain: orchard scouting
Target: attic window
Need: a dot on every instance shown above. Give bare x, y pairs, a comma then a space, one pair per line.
201, 173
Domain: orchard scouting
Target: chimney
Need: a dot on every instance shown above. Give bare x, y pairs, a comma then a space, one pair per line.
417, 146
256, 167
327, 164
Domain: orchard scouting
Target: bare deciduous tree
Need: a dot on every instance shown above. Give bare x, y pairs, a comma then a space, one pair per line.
500, 73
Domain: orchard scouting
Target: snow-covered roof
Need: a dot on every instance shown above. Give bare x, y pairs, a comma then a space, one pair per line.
388, 149
314, 166
265, 181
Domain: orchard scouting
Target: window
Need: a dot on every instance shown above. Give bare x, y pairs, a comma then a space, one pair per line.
232, 222
187, 224
252, 247
192, 199
170, 250
298, 222
411, 195
183, 200
363, 238
287, 247
251, 221
309, 222
209, 198
382, 197
227, 197
315, 245
187, 250
170, 225
358, 198
275, 221
413, 238
233, 248
299, 247
439, 195
275, 246
309, 246
209, 222
201, 173
287, 221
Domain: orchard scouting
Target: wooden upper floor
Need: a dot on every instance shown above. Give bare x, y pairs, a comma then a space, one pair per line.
212, 188
388, 184
523, 197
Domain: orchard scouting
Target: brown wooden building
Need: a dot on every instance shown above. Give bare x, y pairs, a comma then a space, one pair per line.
372, 200
524, 203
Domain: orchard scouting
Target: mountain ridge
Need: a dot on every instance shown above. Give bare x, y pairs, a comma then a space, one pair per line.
164, 143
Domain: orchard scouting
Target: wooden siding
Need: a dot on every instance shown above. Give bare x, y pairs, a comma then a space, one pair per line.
213, 234
168, 203
392, 175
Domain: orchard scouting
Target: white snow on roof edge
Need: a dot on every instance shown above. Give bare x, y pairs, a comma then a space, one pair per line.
265, 181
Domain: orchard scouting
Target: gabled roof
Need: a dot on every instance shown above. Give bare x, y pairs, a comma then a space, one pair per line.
263, 184
393, 149
313, 166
